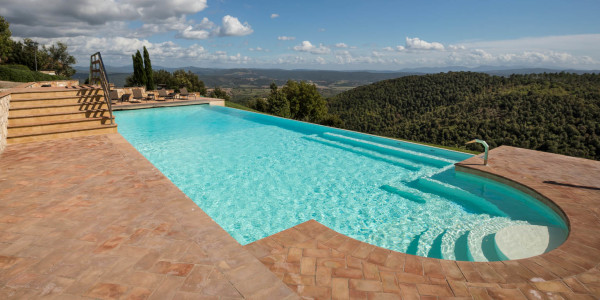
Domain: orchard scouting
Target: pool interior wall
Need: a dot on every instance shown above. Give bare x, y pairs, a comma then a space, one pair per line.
257, 175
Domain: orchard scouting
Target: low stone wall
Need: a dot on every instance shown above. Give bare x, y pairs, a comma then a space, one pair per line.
59, 83
4, 105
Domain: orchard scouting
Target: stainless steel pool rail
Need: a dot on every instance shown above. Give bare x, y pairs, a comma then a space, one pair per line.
485, 146
98, 76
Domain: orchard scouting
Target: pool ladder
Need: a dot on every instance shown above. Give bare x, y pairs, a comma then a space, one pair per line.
485, 145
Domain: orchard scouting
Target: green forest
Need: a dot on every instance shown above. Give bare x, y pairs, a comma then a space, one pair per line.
555, 112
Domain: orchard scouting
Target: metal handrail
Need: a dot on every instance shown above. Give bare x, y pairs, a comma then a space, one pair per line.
97, 66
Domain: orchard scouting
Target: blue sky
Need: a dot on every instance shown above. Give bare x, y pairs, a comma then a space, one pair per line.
341, 35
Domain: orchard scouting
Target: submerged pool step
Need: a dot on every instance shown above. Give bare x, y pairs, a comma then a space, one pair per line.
481, 242
405, 192
366, 152
460, 196
418, 157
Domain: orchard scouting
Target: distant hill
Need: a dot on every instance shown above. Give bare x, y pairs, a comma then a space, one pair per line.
555, 112
233, 78
248, 77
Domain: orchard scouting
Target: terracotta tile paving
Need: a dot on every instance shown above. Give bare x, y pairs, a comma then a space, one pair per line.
320, 263
90, 217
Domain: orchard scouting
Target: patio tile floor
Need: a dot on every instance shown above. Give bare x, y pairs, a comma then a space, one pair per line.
91, 217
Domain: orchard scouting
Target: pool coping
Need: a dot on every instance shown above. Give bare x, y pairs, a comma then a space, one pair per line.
161, 104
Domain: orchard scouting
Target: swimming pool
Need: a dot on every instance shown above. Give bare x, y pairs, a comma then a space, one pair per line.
256, 175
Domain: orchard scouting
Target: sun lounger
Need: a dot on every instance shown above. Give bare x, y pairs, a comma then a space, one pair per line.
137, 94
127, 98
114, 96
183, 92
163, 94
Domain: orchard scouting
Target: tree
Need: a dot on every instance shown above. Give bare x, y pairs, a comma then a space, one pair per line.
278, 103
140, 69
6, 44
59, 59
148, 71
190, 81
139, 74
306, 104
217, 92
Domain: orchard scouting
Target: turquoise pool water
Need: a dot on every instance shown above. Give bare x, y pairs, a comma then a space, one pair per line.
256, 175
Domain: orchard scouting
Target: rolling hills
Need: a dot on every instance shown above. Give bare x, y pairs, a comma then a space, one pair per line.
555, 112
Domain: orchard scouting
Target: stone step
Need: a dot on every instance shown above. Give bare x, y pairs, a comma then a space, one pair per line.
52, 101
33, 93
29, 119
54, 126
71, 133
56, 109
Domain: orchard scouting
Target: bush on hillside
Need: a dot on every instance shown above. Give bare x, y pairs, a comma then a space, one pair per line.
19, 73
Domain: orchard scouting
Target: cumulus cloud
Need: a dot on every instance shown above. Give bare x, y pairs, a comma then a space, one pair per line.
286, 38
118, 51
233, 27
205, 29
419, 44
273, 16
306, 46
42, 18
341, 45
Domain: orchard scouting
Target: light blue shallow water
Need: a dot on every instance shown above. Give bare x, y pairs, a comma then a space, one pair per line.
257, 175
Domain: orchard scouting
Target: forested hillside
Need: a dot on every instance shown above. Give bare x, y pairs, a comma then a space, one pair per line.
557, 112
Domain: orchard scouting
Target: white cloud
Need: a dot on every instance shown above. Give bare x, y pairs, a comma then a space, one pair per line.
205, 29
59, 18
320, 60
400, 48
341, 45
273, 16
233, 27
388, 49
286, 38
418, 44
306, 46
259, 49
456, 47
193, 34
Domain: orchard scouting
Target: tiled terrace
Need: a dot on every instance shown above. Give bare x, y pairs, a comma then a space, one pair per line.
90, 217
318, 262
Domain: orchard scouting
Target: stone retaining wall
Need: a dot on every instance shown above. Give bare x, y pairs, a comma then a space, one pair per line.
4, 105
57, 83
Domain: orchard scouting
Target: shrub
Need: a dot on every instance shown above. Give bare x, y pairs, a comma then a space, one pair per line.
18, 73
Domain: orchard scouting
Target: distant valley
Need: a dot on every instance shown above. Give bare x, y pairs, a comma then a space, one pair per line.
246, 84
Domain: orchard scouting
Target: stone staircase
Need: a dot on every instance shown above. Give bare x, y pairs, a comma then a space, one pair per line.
38, 114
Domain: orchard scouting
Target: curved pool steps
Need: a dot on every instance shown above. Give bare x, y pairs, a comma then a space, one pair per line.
460, 196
